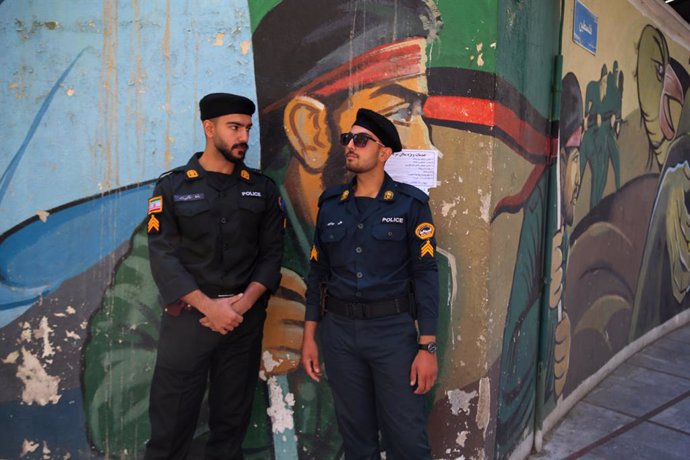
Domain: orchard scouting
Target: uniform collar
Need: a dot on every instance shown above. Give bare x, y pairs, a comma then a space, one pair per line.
388, 191
194, 171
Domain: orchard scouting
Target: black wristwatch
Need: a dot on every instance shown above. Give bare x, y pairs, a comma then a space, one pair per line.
431, 347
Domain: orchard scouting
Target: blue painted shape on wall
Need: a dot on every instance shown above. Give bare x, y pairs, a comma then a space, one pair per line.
38, 256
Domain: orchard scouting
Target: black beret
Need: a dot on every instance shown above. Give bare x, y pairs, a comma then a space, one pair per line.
217, 104
380, 126
571, 107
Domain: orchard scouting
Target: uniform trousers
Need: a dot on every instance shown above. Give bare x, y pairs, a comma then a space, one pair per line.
368, 364
189, 356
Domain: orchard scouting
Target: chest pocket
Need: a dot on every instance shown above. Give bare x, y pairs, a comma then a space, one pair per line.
251, 211
332, 238
332, 234
390, 246
252, 204
194, 218
387, 232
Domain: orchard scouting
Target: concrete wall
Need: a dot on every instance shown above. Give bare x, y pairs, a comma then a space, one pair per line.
100, 98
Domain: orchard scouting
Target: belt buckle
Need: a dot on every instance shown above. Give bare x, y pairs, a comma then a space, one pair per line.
357, 310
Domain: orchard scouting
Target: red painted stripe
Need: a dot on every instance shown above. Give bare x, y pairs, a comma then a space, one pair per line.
460, 109
492, 114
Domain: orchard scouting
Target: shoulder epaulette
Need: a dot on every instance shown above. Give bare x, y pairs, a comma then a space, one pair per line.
262, 174
174, 170
331, 192
413, 191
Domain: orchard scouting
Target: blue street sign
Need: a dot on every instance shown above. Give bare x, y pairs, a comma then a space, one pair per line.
585, 26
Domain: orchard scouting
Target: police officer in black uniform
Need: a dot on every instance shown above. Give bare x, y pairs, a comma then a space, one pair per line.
215, 245
372, 273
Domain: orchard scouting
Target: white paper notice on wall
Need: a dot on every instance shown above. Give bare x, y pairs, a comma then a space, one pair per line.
414, 167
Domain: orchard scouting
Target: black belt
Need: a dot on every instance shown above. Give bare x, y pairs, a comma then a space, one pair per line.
369, 310
175, 308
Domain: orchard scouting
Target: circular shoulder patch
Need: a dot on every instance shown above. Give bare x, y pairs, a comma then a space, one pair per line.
425, 230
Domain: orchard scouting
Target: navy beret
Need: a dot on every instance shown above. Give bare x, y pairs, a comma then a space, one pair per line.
381, 126
217, 104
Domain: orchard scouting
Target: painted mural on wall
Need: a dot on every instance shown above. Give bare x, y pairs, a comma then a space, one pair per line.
623, 262
615, 256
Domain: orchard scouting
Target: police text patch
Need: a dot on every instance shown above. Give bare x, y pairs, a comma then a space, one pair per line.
392, 220
251, 193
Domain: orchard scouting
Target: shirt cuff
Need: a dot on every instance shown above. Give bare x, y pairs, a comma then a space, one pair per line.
268, 279
427, 326
313, 313
175, 289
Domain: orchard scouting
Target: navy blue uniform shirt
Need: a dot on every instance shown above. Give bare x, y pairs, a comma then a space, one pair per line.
378, 254
214, 235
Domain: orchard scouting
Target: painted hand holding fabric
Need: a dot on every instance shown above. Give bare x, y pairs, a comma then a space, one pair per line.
561, 354
675, 185
556, 286
284, 326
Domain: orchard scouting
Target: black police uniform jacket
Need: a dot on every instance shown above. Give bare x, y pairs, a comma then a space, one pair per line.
215, 240
378, 255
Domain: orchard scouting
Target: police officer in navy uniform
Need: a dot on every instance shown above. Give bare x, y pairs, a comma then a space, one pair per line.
215, 245
372, 289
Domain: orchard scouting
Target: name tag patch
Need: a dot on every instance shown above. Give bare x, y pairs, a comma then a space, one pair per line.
251, 193
189, 197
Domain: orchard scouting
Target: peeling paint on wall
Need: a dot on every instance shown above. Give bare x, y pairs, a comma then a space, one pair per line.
280, 408
39, 387
460, 401
28, 447
43, 332
245, 46
43, 215
484, 405
11, 358
485, 208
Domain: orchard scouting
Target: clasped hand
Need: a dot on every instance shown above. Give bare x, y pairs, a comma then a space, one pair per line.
225, 314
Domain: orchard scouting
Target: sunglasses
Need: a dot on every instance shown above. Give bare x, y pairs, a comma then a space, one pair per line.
359, 139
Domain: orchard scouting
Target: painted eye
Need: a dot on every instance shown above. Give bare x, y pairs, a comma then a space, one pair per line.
406, 112
659, 71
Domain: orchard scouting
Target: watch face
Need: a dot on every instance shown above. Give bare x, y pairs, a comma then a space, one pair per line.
431, 347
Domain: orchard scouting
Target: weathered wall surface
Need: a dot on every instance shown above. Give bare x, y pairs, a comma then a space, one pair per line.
100, 98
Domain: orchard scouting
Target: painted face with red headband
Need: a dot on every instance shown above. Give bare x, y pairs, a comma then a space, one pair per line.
361, 58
